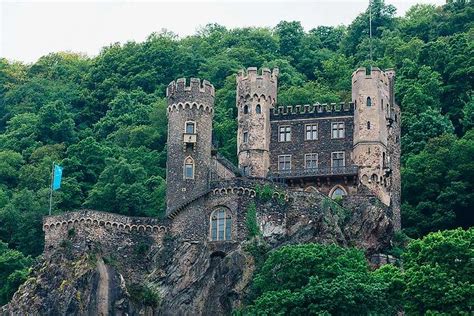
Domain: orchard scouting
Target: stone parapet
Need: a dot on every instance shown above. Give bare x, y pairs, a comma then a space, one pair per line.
312, 110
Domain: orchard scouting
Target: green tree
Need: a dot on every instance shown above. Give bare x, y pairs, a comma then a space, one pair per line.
14, 270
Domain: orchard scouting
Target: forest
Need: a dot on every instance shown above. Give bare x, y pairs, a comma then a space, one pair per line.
104, 120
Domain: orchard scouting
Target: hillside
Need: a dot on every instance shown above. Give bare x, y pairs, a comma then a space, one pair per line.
104, 118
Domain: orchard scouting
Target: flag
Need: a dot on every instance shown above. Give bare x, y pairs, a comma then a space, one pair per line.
58, 173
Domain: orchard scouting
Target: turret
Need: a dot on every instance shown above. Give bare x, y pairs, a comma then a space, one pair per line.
256, 96
372, 97
190, 112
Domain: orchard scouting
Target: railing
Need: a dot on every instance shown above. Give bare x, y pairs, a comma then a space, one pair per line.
300, 173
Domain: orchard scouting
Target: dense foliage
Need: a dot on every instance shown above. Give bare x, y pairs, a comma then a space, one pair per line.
104, 118
312, 279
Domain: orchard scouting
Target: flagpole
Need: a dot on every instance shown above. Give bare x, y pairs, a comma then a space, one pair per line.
51, 190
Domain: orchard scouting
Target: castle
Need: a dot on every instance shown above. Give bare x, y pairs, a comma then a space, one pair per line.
198, 260
336, 149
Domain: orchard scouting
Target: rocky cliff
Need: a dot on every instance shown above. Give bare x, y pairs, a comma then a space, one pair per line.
98, 263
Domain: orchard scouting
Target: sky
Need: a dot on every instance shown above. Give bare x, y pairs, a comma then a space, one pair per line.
31, 29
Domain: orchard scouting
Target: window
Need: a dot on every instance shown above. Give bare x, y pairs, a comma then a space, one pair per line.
284, 133
337, 159
284, 162
246, 171
246, 109
338, 192
189, 168
381, 103
190, 127
311, 161
369, 101
311, 131
368, 124
337, 130
246, 137
221, 225
258, 109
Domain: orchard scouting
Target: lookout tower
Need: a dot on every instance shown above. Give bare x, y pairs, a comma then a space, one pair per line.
256, 95
190, 112
372, 94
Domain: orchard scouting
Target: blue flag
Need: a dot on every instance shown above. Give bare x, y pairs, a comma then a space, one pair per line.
58, 173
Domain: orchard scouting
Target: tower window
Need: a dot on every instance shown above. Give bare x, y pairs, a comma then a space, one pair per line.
369, 101
190, 127
381, 103
338, 160
246, 137
368, 124
337, 130
221, 225
284, 134
189, 168
246, 171
284, 162
246, 109
311, 131
311, 161
258, 109
338, 192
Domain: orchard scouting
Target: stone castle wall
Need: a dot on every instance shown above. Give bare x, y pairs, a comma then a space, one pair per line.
109, 230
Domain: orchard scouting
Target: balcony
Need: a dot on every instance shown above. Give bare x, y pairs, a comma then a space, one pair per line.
316, 172
189, 138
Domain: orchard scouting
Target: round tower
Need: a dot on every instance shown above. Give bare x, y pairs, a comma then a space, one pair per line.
256, 95
371, 97
190, 112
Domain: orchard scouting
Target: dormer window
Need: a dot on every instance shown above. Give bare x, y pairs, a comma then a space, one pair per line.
369, 101
190, 127
258, 109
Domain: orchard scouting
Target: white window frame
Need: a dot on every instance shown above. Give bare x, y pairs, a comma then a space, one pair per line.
343, 158
286, 133
306, 156
227, 224
311, 131
280, 157
186, 127
338, 129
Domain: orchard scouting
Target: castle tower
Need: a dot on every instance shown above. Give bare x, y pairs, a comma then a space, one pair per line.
374, 135
256, 95
190, 112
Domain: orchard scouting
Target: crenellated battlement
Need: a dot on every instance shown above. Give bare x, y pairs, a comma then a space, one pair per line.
375, 73
323, 109
252, 74
195, 85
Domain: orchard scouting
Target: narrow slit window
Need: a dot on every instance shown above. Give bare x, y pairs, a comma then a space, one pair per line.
369, 101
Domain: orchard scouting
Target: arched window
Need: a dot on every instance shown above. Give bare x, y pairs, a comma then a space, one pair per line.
368, 124
374, 178
221, 225
189, 168
258, 109
246, 109
369, 101
337, 192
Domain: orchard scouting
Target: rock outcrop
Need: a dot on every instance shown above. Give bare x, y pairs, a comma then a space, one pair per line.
100, 263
